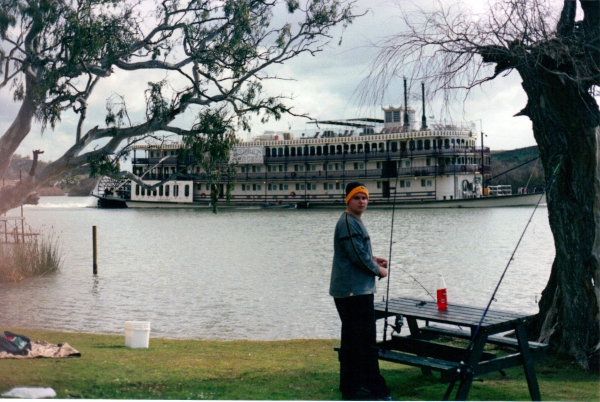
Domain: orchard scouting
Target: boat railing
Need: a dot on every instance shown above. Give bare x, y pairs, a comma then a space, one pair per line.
331, 196
373, 155
306, 175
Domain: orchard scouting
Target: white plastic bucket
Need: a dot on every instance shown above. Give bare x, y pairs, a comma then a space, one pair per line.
137, 334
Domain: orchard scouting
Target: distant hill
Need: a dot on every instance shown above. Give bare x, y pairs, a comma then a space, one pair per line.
530, 175
79, 185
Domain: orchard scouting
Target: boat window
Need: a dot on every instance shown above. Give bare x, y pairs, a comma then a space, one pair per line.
293, 151
394, 146
137, 189
411, 145
154, 192
407, 183
299, 151
143, 191
187, 190
388, 116
353, 148
175, 190
360, 148
427, 144
423, 183
280, 151
396, 116
339, 149
346, 147
420, 145
167, 190
160, 190
312, 151
286, 151
319, 151
401, 183
268, 151
446, 143
453, 142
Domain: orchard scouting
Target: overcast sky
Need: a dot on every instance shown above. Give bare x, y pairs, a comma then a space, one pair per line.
324, 86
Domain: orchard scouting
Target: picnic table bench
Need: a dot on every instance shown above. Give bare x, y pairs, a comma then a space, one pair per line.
457, 363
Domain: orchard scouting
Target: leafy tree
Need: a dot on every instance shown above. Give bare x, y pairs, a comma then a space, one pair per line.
557, 57
212, 58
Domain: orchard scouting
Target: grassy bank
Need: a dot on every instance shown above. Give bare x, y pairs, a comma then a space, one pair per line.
282, 370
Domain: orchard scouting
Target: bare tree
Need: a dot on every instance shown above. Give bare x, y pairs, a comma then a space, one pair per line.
557, 56
213, 56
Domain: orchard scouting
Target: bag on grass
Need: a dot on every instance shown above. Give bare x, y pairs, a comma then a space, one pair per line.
14, 344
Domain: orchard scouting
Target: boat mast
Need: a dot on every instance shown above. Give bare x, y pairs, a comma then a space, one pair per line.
423, 118
406, 125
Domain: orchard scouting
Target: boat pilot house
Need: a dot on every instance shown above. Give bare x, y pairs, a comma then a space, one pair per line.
400, 161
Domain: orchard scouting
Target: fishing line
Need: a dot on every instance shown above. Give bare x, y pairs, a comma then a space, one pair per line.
387, 294
419, 283
493, 297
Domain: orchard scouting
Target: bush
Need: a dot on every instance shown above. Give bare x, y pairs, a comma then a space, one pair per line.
38, 257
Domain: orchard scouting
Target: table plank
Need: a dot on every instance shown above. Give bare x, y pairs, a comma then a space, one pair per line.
455, 314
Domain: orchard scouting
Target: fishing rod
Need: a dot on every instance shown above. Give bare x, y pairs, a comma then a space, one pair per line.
510, 170
387, 294
493, 297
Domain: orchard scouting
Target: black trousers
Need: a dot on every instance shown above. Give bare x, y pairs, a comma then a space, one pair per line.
359, 361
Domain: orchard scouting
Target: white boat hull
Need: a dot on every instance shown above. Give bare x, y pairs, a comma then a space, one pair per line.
518, 200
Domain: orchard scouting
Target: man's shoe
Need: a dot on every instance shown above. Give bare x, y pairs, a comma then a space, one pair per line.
360, 394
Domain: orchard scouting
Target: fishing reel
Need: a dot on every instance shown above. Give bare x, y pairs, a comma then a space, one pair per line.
397, 325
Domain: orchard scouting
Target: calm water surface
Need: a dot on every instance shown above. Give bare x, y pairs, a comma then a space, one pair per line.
262, 274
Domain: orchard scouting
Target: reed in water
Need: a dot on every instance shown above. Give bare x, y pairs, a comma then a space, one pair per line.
40, 256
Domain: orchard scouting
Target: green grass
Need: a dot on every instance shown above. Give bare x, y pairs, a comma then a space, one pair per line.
284, 370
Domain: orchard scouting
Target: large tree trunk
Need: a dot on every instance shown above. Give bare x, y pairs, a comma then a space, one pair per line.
565, 125
18, 130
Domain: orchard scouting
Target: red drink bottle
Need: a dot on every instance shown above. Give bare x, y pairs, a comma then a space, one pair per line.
442, 297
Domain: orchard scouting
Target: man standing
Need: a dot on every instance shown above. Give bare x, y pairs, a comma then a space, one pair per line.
353, 287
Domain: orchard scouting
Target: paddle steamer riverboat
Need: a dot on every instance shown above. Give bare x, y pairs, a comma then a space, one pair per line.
400, 160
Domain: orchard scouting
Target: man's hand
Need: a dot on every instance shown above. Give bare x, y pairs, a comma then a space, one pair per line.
382, 262
383, 272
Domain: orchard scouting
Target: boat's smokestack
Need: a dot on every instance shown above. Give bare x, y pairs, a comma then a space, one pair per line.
406, 125
423, 118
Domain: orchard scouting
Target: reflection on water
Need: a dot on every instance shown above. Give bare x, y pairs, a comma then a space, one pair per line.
262, 274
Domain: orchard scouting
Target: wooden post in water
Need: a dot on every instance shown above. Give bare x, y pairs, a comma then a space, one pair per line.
94, 238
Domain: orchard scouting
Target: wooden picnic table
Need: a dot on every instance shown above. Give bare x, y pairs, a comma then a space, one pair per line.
458, 363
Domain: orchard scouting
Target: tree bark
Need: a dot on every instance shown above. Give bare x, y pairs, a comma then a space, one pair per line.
18, 130
565, 125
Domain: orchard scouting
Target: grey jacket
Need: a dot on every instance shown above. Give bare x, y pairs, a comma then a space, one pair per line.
354, 270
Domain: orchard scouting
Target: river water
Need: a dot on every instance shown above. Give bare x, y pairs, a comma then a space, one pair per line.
262, 274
